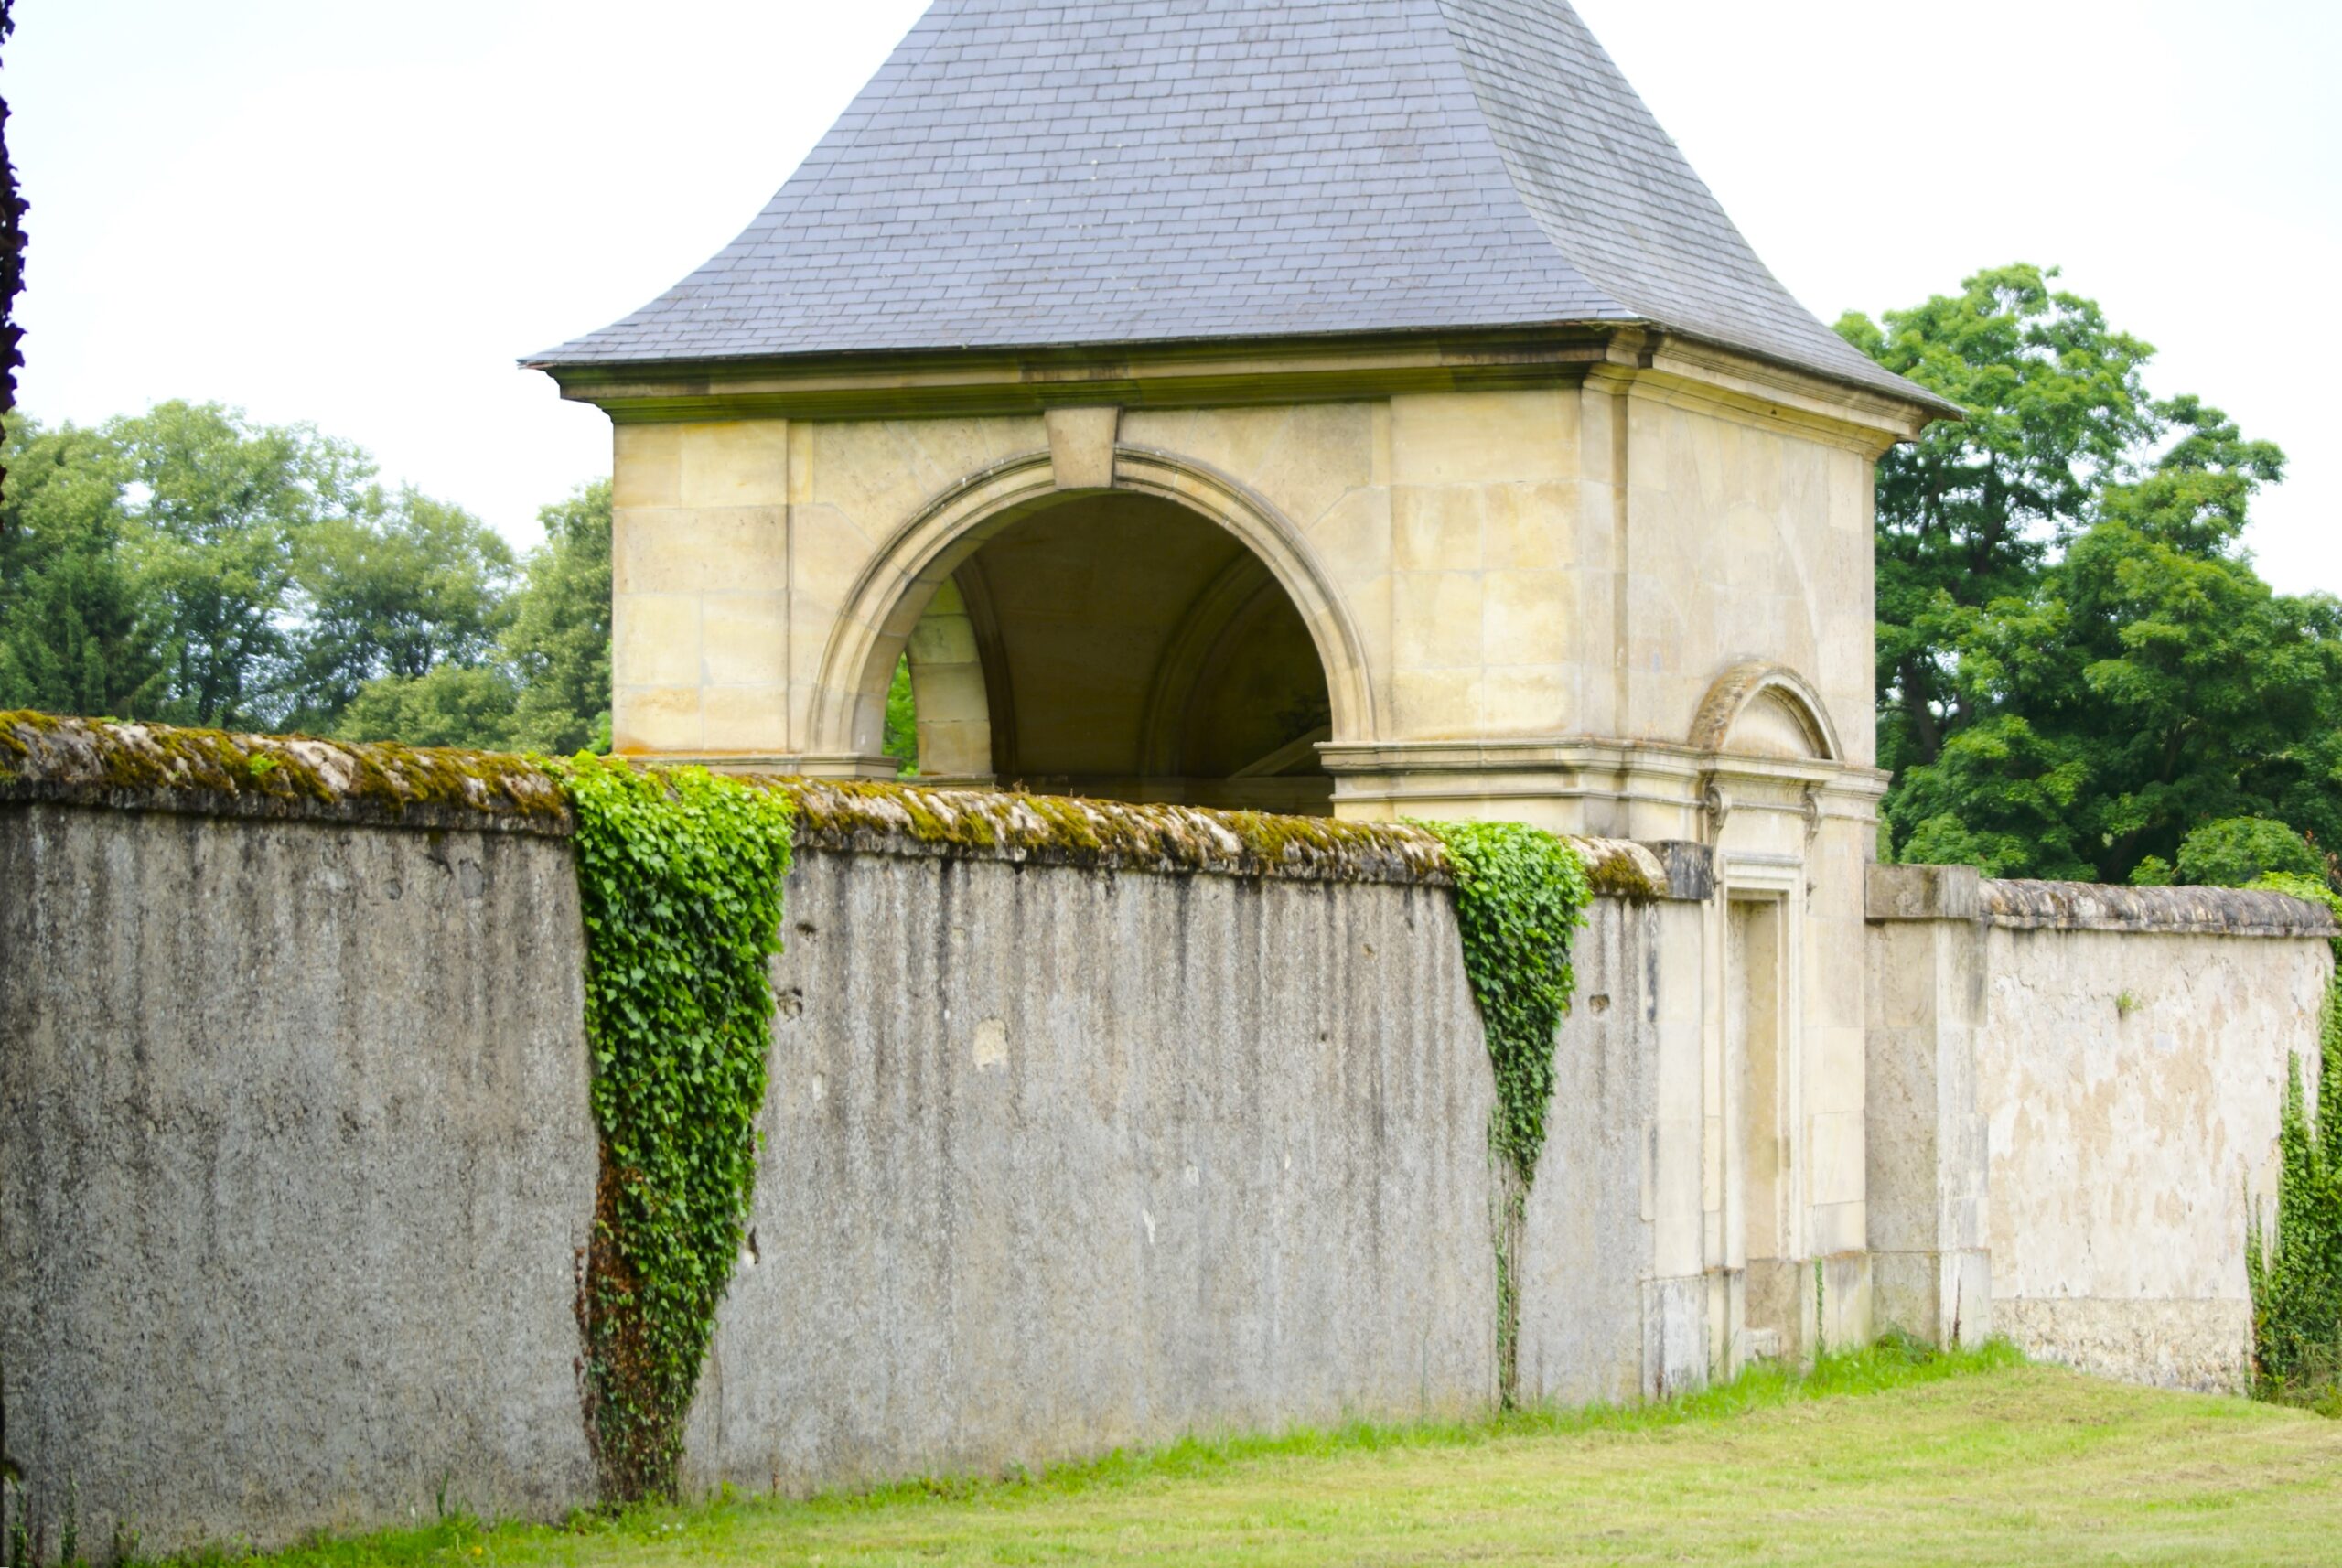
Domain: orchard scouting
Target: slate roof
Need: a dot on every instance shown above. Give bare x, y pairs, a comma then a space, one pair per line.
1032, 173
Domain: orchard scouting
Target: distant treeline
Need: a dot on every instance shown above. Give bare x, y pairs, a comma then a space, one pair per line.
189, 565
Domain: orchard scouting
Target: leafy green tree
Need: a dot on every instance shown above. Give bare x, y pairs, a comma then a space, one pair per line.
1968, 513
74, 634
451, 704
400, 586
558, 645
2077, 662
221, 510
2235, 852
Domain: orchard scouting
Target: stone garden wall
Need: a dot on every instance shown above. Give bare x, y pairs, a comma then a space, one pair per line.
2074, 1103
1170, 1122
299, 1163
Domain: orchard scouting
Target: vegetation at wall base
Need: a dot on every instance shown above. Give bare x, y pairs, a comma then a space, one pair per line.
1521, 895
1894, 1454
2296, 1270
679, 876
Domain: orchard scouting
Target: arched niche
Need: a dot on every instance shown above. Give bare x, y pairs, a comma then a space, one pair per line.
1761, 709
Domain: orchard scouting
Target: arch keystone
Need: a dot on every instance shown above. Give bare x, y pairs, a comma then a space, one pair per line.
1081, 445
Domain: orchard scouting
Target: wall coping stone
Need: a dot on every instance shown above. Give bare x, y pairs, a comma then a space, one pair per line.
1962, 893
161, 768
205, 772
2202, 911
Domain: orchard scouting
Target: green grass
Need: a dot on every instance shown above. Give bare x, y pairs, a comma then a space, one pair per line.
1881, 1456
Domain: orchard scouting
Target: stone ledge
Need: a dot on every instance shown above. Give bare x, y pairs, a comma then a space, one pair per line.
1962, 893
161, 768
2200, 912
1111, 835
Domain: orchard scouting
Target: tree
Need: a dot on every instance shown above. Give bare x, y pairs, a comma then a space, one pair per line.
399, 587
220, 515
2077, 663
452, 705
1968, 513
2238, 850
901, 735
74, 634
11, 261
558, 646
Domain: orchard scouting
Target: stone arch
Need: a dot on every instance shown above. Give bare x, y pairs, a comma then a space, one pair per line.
893, 591
1758, 691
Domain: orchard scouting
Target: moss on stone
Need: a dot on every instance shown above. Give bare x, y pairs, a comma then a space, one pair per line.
165, 767
103, 762
1618, 870
1112, 834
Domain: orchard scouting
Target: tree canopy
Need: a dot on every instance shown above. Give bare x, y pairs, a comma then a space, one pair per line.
2077, 665
191, 566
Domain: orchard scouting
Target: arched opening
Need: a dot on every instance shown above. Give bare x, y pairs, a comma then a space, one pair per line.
1120, 645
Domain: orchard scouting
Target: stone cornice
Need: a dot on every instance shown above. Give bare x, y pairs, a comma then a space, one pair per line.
1688, 765
1237, 372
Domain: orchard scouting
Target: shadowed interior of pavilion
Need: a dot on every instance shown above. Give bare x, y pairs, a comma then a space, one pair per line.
1123, 647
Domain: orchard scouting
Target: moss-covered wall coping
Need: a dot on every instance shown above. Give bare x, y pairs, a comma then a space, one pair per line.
162, 768
159, 767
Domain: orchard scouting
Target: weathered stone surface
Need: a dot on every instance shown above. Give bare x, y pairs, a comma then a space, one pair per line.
2131, 1082
1057, 1160
2073, 1097
2184, 1343
1587, 1249
160, 767
2210, 911
297, 1156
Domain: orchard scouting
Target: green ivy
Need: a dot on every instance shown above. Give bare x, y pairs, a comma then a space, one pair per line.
679, 875
1521, 895
2295, 1273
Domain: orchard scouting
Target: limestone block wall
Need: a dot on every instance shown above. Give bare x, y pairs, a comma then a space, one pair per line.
1535, 569
2074, 1095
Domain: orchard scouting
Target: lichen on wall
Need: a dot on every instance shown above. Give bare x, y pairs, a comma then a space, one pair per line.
99, 762
102, 762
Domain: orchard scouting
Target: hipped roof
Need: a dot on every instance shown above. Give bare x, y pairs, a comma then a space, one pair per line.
1066, 173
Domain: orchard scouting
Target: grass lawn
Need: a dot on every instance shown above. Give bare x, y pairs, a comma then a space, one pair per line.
1876, 1458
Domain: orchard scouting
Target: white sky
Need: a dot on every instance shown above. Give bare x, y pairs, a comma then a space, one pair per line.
360, 215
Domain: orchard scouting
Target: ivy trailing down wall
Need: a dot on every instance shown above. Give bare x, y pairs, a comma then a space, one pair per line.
2295, 1272
679, 875
1521, 895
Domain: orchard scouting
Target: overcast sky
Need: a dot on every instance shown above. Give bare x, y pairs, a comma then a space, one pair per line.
360, 215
